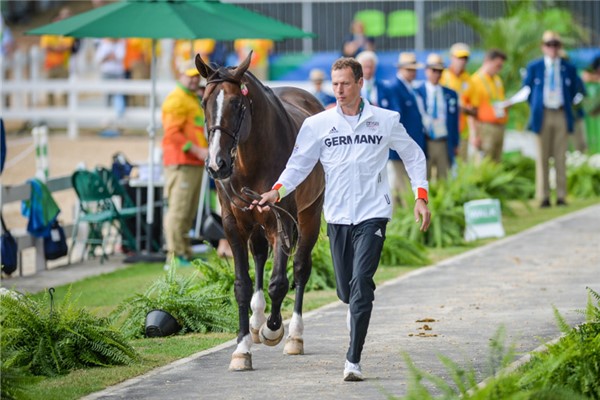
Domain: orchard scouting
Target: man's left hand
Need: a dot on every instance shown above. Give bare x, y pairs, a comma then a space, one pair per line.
422, 214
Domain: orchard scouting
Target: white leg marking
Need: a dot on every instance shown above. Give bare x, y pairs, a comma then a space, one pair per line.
213, 147
244, 346
258, 304
296, 326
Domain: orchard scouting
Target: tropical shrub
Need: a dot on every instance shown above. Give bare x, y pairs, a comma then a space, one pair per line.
583, 175
49, 341
197, 304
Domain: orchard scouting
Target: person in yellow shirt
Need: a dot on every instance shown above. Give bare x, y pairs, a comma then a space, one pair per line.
486, 95
261, 49
457, 78
58, 52
184, 151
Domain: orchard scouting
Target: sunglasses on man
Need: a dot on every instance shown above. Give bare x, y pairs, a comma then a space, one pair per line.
552, 43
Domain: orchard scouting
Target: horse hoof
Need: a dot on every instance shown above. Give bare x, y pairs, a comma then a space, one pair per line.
241, 362
255, 336
294, 346
270, 341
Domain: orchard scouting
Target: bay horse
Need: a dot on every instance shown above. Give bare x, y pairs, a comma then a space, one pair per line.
251, 134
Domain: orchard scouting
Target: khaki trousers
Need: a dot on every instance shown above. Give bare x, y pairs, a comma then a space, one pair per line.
139, 70
437, 157
553, 141
578, 137
182, 190
492, 140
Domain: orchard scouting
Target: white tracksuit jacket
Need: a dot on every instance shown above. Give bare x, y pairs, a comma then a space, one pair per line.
356, 182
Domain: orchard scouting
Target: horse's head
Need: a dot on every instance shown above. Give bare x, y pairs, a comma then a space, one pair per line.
226, 108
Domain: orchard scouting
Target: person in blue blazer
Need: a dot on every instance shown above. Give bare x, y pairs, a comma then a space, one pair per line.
550, 85
376, 91
440, 119
405, 101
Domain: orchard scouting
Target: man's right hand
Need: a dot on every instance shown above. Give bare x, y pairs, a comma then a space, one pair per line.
266, 198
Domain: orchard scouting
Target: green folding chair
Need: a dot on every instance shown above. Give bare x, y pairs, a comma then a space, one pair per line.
97, 209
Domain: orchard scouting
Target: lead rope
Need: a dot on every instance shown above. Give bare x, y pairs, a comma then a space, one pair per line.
274, 208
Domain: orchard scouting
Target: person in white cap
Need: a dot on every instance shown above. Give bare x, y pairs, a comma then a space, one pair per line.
456, 77
352, 142
440, 119
550, 87
184, 151
409, 105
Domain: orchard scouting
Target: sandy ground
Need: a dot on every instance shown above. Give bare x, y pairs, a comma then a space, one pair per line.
64, 156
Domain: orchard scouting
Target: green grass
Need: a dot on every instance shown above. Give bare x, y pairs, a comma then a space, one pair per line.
103, 293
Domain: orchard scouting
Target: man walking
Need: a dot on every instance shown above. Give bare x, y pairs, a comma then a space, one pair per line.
352, 142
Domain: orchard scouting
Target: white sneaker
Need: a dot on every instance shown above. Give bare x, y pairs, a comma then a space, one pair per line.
352, 372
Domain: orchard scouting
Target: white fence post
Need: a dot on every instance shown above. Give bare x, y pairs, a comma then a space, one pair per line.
36, 57
72, 128
18, 99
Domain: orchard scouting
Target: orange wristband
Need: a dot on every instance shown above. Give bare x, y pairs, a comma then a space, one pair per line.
422, 194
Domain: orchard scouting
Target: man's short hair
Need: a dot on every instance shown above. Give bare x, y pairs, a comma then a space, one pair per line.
348, 62
494, 54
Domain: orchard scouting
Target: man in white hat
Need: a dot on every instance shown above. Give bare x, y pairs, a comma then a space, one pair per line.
440, 119
408, 104
550, 87
456, 77
184, 151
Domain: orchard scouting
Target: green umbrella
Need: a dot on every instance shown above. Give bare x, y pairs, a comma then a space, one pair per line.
174, 19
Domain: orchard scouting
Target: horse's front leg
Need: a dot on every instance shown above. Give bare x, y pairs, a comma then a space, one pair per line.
309, 223
259, 246
271, 332
241, 359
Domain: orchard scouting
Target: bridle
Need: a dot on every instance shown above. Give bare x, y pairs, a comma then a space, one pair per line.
235, 133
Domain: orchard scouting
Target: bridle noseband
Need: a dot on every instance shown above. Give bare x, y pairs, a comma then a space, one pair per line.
235, 133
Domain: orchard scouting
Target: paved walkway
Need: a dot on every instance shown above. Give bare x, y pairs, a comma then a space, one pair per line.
512, 282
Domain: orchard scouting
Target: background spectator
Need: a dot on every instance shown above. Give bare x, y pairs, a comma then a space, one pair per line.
137, 60
317, 76
485, 95
457, 78
374, 90
356, 41
110, 55
261, 50
58, 53
440, 119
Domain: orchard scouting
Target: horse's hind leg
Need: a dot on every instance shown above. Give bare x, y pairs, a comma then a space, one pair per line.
259, 247
309, 222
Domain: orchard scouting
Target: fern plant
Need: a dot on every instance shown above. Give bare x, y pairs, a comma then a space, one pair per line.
55, 341
197, 305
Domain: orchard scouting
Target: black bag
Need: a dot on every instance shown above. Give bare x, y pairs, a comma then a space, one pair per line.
55, 244
9, 250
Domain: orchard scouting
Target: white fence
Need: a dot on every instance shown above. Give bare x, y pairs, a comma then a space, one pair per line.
24, 93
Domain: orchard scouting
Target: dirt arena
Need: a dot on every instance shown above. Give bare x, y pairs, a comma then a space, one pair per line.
64, 156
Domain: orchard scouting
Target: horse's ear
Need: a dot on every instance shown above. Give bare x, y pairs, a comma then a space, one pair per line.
239, 71
204, 69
